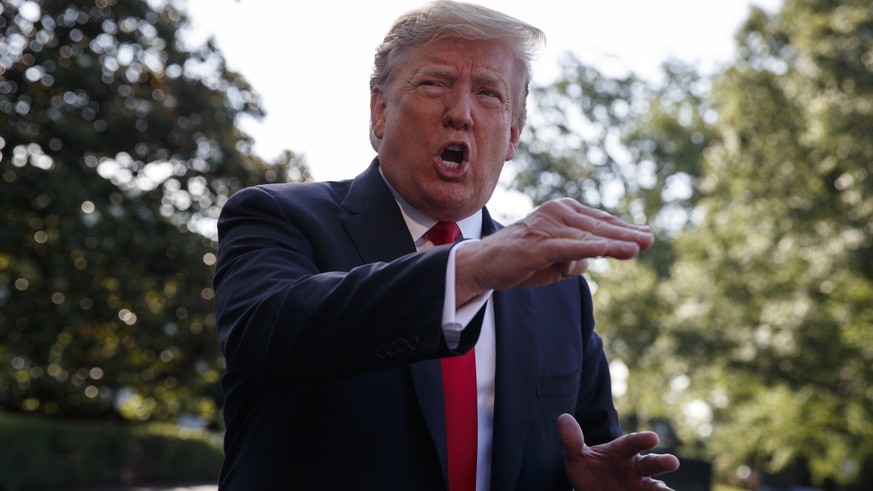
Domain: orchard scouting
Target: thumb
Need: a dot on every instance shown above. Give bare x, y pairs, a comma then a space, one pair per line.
570, 434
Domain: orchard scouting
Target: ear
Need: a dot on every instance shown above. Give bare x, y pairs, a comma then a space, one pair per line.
377, 112
514, 138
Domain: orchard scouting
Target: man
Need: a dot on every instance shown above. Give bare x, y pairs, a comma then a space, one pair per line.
363, 354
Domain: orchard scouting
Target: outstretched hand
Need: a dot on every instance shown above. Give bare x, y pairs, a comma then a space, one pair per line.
553, 243
612, 466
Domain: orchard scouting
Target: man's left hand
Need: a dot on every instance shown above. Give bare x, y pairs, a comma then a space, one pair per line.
613, 466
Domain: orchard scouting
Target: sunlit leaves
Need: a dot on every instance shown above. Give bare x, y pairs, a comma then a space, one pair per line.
122, 72
119, 138
780, 267
751, 330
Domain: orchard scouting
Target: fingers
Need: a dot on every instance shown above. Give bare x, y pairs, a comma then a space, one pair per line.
631, 444
601, 215
656, 464
590, 247
570, 434
655, 485
602, 233
575, 268
605, 226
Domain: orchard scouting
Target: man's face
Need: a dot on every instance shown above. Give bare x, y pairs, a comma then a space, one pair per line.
447, 124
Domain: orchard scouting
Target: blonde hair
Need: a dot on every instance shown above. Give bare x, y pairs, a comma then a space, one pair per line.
445, 18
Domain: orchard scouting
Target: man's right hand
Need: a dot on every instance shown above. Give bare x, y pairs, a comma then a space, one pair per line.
553, 243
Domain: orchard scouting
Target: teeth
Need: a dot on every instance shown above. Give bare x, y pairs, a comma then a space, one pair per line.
453, 155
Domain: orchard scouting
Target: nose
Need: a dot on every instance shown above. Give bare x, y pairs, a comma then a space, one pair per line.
459, 109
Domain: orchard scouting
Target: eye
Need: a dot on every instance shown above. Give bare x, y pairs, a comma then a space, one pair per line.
431, 87
491, 98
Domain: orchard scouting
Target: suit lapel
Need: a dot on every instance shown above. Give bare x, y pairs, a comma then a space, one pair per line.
379, 233
375, 222
514, 385
515, 380
427, 378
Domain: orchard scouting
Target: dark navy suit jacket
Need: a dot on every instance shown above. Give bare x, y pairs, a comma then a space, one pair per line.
329, 321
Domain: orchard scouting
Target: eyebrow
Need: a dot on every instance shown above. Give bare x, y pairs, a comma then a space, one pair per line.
480, 77
488, 78
434, 71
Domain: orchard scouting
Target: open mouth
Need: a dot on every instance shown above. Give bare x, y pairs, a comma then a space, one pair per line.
453, 155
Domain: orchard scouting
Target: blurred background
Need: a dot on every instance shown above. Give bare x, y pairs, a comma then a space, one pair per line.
744, 337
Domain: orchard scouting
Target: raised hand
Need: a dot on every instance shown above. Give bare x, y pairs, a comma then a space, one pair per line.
552, 243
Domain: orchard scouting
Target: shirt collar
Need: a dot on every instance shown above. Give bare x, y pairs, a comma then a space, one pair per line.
418, 223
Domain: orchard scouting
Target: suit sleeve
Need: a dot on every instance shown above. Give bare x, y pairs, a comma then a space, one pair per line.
287, 325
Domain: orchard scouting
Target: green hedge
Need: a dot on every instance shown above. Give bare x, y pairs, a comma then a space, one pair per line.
37, 453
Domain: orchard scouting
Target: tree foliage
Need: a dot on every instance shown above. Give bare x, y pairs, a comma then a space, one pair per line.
749, 330
781, 266
634, 149
118, 140
619, 143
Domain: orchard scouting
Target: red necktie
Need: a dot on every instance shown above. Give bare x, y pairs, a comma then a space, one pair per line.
459, 392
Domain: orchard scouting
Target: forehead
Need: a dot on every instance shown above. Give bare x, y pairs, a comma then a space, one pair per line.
480, 58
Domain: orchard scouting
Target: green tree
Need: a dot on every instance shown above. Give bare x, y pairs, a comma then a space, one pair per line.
748, 328
620, 144
636, 150
776, 283
118, 143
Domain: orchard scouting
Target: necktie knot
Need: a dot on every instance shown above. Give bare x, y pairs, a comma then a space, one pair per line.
444, 233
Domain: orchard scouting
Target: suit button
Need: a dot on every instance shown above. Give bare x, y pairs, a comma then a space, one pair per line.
391, 348
403, 346
381, 351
